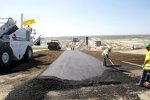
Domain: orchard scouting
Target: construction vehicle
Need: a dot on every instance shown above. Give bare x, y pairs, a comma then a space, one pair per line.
75, 40
15, 43
54, 45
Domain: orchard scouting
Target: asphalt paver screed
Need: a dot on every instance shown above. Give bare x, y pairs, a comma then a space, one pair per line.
74, 65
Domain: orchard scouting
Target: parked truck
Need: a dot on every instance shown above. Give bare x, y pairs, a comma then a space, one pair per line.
15, 43
54, 45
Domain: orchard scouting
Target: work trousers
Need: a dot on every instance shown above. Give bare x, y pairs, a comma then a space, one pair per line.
143, 76
104, 62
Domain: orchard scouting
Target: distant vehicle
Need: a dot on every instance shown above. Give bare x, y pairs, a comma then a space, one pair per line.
76, 40
54, 45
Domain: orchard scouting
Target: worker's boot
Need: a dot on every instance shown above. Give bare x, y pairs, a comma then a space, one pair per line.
138, 84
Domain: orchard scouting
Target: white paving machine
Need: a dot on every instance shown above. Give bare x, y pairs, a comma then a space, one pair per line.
15, 43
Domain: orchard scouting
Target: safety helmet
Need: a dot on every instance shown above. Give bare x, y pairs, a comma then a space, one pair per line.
147, 45
109, 47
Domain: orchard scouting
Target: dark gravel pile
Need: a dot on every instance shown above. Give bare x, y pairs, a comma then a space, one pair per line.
110, 85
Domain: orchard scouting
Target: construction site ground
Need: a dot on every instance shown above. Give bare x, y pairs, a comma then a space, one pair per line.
20, 82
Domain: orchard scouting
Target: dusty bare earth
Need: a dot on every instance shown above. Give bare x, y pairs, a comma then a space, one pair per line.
20, 83
21, 71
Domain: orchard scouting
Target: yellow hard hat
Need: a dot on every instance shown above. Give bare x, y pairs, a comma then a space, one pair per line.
109, 47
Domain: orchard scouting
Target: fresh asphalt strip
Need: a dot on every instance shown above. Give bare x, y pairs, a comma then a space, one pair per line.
74, 65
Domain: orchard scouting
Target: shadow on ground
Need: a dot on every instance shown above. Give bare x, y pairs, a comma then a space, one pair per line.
112, 82
22, 65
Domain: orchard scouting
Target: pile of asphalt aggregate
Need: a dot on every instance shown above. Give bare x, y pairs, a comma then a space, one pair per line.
74, 65
112, 82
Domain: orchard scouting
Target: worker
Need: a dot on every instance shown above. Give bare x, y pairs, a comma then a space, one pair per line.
105, 55
146, 66
72, 46
29, 28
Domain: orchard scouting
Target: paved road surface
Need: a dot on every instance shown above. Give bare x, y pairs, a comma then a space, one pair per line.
74, 65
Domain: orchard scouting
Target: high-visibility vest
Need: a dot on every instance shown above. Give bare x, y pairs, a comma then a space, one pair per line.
147, 65
105, 52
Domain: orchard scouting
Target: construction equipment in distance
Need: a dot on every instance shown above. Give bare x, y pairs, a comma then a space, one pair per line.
15, 43
54, 45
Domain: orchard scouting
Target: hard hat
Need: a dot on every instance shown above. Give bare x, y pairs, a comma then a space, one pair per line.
109, 47
147, 45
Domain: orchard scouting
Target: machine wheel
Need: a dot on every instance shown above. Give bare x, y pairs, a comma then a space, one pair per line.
29, 54
5, 56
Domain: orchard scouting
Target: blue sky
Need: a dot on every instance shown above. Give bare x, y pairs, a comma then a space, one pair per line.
82, 17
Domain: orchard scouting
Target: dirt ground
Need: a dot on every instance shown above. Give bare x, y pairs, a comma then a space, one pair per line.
22, 71
20, 83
